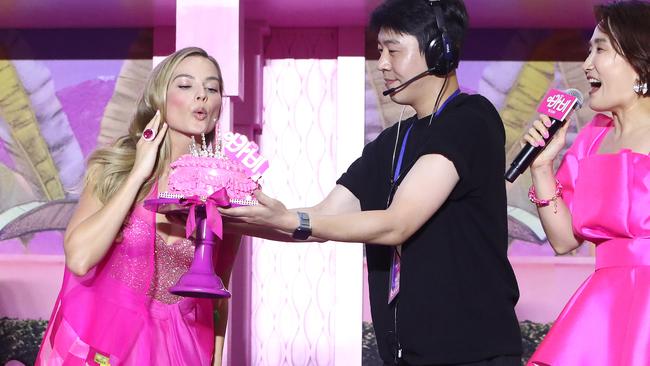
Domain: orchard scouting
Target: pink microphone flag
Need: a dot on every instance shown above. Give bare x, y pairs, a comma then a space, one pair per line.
557, 104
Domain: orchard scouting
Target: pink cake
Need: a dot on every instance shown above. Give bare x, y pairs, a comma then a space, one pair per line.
204, 172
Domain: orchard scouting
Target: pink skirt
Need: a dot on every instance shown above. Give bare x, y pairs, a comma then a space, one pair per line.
607, 321
171, 334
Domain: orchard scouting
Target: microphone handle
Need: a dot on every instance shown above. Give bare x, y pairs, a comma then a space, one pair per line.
529, 152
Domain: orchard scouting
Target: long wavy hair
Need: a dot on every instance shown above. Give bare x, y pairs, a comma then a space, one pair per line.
108, 167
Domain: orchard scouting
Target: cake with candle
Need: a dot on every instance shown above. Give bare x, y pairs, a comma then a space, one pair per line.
206, 170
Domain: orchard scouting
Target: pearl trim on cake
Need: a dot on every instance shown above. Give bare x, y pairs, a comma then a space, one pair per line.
237, 201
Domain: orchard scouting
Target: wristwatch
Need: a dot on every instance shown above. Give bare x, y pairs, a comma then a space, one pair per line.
303, 231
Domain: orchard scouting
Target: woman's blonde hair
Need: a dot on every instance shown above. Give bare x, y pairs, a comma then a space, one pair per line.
108, 167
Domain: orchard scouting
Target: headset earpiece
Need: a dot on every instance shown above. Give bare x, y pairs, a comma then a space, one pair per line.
441, 53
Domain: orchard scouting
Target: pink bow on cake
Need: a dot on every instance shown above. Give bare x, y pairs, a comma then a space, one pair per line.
217, 199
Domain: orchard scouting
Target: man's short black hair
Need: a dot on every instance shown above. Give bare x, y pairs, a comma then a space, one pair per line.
417, 18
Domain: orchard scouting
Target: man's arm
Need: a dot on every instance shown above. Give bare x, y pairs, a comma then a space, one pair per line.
339, 201
424, 189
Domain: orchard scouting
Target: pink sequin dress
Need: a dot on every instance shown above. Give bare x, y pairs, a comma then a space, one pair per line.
121, 313
607, 321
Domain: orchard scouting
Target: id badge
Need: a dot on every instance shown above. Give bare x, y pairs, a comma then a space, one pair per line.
393, 284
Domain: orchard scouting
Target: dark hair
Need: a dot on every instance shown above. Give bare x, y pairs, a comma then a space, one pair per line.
627, 24
417, 18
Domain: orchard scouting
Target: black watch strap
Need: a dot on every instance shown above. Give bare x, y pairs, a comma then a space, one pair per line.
303, 231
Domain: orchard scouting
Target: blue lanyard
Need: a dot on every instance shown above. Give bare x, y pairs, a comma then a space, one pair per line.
406, 136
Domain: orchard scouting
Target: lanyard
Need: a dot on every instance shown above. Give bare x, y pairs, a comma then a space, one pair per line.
398, 167
394, 280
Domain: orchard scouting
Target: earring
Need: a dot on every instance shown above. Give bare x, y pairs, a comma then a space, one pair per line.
639, 88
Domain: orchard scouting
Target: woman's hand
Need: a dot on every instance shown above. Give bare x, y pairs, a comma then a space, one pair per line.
536, 137
147, 150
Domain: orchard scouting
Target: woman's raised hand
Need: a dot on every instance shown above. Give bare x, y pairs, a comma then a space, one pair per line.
147, 147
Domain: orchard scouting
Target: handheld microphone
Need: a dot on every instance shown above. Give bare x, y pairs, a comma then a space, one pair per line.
406, 83
556, 105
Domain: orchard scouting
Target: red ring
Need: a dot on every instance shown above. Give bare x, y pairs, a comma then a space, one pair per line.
148, 134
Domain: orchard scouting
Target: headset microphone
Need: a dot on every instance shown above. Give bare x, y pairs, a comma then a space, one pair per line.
406, 83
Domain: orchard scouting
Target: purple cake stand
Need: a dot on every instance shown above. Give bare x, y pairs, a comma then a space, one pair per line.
200, 280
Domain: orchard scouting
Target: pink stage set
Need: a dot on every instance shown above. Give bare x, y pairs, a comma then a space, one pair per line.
300, 79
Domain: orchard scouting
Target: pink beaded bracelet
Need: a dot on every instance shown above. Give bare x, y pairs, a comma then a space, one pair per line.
532, 196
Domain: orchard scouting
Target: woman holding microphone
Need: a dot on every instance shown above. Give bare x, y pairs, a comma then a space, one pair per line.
601, 193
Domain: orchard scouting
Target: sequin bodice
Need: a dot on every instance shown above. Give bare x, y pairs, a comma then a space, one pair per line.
130, 261
172, 261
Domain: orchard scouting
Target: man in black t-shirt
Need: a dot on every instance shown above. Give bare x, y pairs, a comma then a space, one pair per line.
428, 198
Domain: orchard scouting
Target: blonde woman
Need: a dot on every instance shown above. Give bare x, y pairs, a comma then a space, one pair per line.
114, 306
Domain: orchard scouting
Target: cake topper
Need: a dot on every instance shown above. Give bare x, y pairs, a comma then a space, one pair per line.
236, 147
206, 150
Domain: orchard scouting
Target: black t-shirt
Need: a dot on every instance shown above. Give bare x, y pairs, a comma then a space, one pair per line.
457, 288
